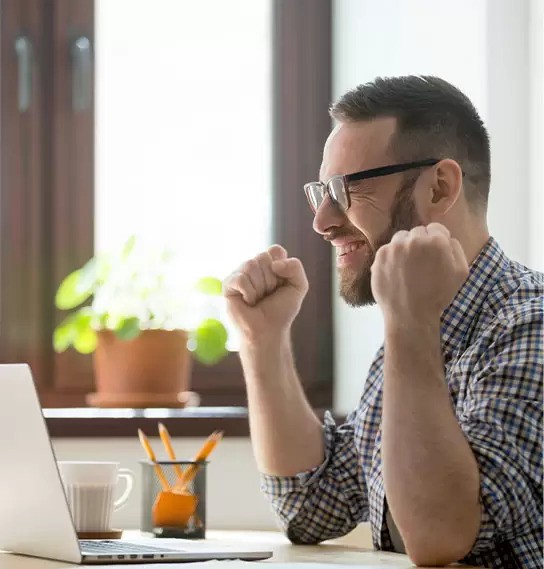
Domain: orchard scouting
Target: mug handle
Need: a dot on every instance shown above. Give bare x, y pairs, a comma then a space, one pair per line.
128, 475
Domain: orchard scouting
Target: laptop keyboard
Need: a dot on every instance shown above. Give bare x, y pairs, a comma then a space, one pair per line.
109, 547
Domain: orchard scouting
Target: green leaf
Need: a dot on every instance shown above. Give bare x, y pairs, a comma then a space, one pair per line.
210, 285
75, 330
71, 293
99, 321
113, 321
88, 275
128, 247
63, 335
103, 268
86, 340
128, 329
210, 340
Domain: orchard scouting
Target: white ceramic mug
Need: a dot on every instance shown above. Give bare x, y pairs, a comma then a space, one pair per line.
89, 488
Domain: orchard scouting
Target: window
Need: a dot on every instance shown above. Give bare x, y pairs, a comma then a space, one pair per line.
54, 210
194, 92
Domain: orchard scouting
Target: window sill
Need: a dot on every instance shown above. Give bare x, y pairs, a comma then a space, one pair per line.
96, 423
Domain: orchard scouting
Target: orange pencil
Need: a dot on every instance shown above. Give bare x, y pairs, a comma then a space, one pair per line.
167, 442
202, 455
151, 455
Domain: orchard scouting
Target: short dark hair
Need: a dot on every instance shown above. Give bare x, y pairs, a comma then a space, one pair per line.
434, 120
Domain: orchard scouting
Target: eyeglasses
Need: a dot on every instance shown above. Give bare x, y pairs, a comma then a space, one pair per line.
338, 186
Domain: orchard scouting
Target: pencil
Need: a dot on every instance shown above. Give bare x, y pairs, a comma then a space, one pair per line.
167, 442
202, 455
151, 455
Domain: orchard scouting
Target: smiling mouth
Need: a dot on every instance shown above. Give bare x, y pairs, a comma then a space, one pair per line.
349, 248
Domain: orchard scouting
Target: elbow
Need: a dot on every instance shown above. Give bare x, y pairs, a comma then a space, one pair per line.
442, 542
428, 558
301, 538
430, 553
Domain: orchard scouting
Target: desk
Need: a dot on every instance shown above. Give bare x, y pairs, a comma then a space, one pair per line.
284, 552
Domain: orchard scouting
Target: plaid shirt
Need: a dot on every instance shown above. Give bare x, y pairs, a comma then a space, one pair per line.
492, 342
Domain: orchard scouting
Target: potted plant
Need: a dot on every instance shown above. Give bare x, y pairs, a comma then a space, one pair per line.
141, 324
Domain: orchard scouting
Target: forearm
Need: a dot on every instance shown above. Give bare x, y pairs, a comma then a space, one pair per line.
431, 476
287, 436
319, 504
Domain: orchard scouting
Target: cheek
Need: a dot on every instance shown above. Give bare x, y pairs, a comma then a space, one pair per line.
375, 206
370, 218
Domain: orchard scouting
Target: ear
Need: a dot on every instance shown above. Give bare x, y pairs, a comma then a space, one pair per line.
444, 182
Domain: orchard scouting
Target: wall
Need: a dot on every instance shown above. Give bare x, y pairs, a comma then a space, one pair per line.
536, 149
233, 496
508, 98
482, 46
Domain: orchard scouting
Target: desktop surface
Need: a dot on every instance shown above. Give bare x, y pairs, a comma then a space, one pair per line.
305, 556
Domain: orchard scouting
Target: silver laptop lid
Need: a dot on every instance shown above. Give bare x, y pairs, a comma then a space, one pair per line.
34, 515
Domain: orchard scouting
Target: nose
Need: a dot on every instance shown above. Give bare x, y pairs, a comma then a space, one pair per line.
327, 217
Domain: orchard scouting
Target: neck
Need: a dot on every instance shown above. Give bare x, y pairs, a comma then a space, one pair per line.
473, 234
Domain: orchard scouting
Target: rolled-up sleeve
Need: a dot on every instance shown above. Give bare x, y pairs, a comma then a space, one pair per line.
327, 501
502, 420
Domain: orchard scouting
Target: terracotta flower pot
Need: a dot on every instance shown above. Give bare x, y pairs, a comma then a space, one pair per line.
152, 370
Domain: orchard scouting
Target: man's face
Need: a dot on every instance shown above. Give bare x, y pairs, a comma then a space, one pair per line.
379, 206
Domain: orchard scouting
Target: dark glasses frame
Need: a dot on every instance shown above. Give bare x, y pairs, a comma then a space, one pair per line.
344, 180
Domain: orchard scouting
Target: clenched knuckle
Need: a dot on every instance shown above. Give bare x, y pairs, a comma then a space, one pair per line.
382, 253
263, 258
250, 265
417, 230
276, 251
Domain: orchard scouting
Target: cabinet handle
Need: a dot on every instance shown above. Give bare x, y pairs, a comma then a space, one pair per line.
82, 74
24, 51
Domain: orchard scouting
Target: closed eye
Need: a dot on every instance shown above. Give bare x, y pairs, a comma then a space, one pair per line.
360, 186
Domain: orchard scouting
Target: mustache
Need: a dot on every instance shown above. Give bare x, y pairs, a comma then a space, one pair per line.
339, 233
336, 233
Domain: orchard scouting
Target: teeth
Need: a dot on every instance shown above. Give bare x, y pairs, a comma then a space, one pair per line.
349, 248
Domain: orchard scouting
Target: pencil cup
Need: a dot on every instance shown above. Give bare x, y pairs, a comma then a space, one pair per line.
177, 511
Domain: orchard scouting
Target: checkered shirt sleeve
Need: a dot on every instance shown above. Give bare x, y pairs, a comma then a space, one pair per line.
502, 420
327, 501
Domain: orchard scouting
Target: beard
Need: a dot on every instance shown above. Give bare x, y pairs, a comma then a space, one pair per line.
354, 285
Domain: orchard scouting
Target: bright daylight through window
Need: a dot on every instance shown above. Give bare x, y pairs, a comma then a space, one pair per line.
183, 130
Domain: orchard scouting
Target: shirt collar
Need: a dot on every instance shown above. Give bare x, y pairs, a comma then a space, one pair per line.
457, 319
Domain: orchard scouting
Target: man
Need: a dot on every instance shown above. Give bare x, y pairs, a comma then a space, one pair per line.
443, 454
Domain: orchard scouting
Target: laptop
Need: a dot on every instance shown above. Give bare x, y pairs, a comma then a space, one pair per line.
34, 515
